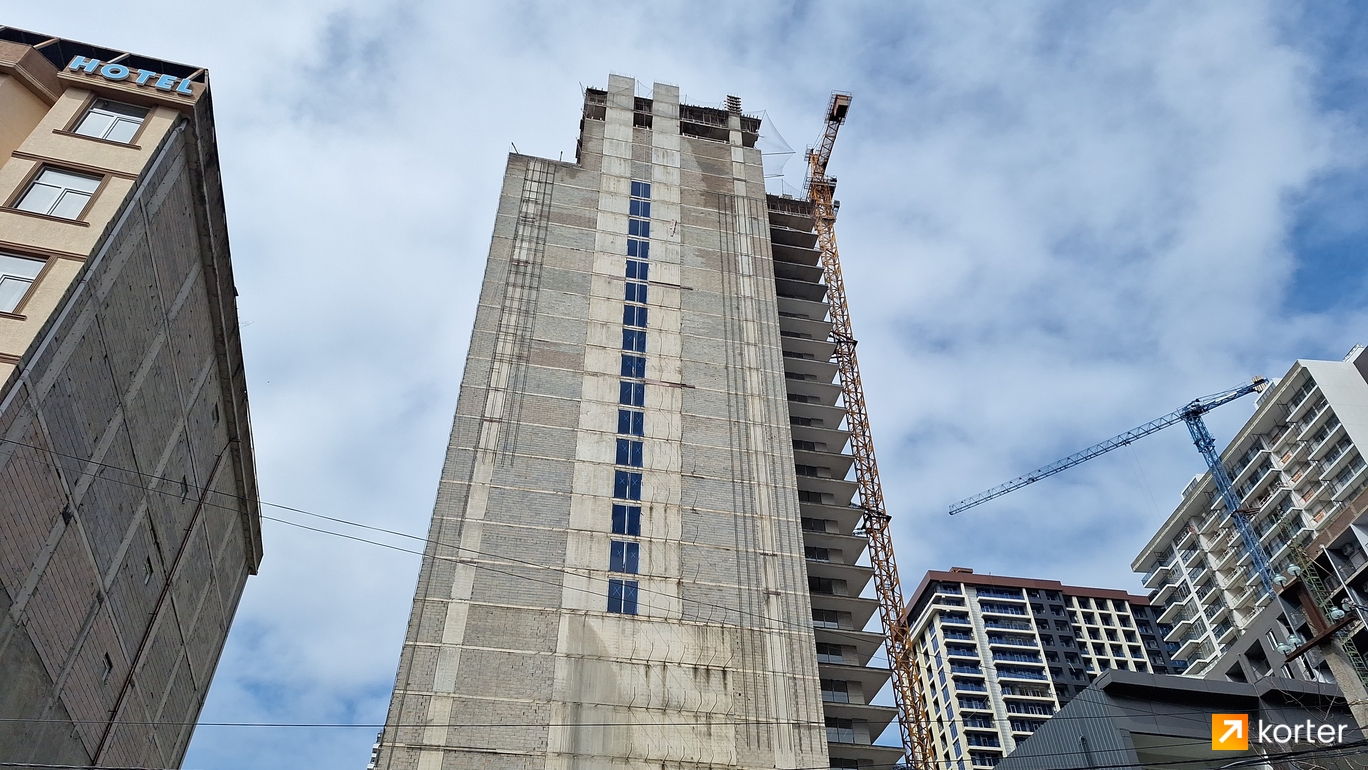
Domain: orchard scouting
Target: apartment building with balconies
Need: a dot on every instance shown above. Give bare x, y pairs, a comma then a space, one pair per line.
1298, 473
997, 656
832, 540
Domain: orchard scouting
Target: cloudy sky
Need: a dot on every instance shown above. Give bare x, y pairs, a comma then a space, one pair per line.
1060, 220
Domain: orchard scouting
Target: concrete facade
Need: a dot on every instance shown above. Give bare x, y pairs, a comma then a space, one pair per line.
998, 656
128, 514
1297, 466
617, 574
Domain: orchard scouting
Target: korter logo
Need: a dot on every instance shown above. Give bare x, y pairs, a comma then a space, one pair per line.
1230, 732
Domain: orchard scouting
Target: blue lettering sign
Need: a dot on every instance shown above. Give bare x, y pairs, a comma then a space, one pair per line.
82, 63
114, 72
118, 72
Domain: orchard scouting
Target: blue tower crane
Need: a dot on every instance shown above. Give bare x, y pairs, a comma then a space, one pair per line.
1191, 413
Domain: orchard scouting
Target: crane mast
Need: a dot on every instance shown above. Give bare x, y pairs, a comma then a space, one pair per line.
912, 716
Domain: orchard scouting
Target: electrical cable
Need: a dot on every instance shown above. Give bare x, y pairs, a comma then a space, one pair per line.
480, 565
434, 543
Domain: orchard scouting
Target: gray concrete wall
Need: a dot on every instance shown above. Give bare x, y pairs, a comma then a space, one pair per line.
125, 461
511, 659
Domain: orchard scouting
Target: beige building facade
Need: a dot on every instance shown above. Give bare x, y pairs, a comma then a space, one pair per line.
128, 514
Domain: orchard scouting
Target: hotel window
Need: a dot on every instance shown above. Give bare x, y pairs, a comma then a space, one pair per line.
623, 557
114, 121
622, 596
59, 193
627, 520
16, 276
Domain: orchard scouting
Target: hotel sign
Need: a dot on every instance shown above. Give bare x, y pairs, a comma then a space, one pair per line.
118, 73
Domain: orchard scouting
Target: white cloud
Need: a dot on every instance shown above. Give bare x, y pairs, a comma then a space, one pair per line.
1060, 221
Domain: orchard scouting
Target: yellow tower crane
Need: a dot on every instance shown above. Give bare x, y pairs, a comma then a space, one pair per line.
912, 715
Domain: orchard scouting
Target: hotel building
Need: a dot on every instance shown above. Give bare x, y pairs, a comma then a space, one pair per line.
128, 514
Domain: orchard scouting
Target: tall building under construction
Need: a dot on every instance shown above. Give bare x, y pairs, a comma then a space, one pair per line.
643, 551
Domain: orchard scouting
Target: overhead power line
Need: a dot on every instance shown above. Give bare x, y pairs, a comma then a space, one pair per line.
436, 544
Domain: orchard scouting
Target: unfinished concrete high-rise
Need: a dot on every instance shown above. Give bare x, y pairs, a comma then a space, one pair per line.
128, 514
643, 552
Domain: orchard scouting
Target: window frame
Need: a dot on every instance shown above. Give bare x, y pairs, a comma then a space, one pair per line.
635, 422
630, 453
88, 105
624, 557
635, 316
633, 367
627, 599
626, 485
626, 520
31, 179
17, 312
634, 340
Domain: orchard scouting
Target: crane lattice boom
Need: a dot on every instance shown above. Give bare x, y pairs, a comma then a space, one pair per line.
912, 716
1191, 413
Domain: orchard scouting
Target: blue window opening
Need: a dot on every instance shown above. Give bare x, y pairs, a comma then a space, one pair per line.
634, 340
640, 209
623, 557
639, 271
639, 249
626, 485
641, 189
636, 292
627, 520
622, 596
632, 393
629, 452
631, 423
633, 315
639, 228
633, 366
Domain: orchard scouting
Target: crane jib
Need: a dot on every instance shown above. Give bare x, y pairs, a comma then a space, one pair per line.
1192, 410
